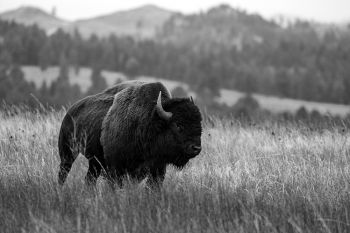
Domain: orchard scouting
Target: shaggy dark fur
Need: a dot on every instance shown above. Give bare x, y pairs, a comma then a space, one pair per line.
120, 131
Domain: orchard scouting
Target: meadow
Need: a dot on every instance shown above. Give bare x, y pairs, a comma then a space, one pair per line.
269, 177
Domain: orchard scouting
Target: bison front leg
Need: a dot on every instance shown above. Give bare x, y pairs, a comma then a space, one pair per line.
156, 177
114, 177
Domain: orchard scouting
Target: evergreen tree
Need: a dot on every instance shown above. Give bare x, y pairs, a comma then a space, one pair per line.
98, 82
46, 56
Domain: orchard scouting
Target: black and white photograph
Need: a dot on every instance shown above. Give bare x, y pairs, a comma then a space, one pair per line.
160, 116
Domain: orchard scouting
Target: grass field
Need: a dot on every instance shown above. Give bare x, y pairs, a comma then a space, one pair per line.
262, 178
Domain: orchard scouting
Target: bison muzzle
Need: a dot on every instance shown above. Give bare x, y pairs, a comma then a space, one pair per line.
133, 129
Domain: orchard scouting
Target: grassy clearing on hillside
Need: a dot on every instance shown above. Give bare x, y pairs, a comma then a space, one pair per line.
82, 78
266, 178
273, 104
279, 105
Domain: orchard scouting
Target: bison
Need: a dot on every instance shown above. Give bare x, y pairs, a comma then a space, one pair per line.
132, 129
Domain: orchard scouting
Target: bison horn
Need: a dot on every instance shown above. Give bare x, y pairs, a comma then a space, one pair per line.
161, 112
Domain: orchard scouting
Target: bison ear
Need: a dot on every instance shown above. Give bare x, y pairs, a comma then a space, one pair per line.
160, 111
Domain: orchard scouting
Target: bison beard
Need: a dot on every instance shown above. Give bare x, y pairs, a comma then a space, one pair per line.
134, 128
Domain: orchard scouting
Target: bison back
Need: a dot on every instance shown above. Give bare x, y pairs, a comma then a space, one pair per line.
81, 126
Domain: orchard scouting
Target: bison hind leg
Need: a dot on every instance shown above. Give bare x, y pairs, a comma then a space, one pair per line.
94, 171
68, 151
67, 160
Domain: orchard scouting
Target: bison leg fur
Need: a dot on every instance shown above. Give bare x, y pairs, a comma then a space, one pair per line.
156, 177
94, 171
67, 160
63, 172
65, 166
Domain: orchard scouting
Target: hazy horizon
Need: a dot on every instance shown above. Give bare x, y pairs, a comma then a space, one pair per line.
325, 11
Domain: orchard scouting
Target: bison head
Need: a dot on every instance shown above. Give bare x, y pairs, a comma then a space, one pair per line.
180, 129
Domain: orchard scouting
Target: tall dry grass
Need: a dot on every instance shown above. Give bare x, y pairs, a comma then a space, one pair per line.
263, 178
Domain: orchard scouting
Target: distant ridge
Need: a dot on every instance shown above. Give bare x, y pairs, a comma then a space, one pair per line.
29, 15
221, 24
224, 25
141, 22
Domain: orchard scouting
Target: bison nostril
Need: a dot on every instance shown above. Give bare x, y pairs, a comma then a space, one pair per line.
196, 148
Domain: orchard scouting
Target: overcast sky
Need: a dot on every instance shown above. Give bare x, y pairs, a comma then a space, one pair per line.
319, 10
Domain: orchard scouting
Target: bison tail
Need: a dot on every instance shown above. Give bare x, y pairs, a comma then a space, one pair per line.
67, 155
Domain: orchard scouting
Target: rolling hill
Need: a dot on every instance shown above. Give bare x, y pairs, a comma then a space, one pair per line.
230, 27
33, 15
142, 22
221, 25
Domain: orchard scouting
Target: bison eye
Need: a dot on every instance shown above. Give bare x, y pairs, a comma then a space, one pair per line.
179, 128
